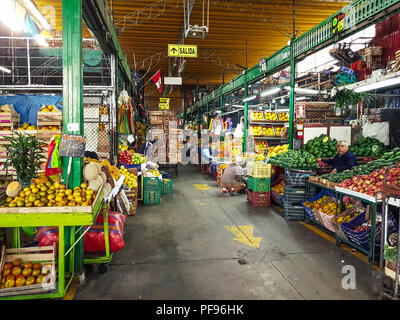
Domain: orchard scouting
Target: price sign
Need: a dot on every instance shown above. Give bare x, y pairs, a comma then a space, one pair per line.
72, 145
337, 23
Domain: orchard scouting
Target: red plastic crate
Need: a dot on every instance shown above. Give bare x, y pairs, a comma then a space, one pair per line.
259, 199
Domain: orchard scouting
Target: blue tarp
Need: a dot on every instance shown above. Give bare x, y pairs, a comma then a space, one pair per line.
28, 105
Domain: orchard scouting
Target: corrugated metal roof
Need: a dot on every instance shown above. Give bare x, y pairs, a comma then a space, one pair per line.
147, 27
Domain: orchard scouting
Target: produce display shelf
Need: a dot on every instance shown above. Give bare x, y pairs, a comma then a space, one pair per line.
59, 217
268, 138
339, 196
269, 123
320, 186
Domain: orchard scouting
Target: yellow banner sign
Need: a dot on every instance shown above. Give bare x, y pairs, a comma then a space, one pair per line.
163, 106
164, 100
182, 50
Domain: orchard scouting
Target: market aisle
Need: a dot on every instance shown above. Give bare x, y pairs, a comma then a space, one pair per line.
182, 249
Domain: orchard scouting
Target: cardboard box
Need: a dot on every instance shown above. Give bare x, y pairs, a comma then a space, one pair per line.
104, 148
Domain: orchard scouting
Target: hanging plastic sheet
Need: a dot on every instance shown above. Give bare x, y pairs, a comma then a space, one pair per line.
28, 105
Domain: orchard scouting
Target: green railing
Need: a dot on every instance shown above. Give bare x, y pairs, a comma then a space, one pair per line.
358, 15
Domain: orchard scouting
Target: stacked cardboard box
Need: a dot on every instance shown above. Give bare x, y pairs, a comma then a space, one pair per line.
160, 126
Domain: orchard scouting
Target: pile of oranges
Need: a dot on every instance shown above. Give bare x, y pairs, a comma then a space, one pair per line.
51, 195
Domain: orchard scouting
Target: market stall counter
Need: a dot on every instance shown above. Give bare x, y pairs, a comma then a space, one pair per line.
60, 217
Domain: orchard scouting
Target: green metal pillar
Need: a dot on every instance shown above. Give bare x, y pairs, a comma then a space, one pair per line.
291, 97
73, 99
245, 112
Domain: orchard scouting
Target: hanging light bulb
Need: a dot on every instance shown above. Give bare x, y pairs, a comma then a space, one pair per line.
282, 101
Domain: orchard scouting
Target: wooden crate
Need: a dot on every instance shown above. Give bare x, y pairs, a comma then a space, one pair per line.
5, 133
43, 255
45, 119
8, 116
45, 136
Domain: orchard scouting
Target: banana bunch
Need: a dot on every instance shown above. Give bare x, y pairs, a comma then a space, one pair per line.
273, 151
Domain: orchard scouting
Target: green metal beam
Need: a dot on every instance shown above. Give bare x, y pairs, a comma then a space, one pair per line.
73, 99
291, 96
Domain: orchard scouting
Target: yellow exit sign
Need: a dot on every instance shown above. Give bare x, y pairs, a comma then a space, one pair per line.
182, 50
163, 106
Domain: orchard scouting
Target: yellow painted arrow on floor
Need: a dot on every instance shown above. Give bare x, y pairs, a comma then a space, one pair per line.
244, 234
201, 186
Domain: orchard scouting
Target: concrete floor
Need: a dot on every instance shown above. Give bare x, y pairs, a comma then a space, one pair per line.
182, 249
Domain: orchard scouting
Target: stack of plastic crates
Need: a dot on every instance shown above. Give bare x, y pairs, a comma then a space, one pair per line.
259, 199
295, 193
151, 190
258, 169
259, 184
167, 186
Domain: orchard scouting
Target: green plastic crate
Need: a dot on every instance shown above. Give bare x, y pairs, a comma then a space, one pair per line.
152, 197
258, 184
151, 184
167, 186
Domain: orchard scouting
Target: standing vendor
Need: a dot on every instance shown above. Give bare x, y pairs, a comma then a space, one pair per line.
343, 160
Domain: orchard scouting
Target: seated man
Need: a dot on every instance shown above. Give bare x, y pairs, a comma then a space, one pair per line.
343, 160
233, 177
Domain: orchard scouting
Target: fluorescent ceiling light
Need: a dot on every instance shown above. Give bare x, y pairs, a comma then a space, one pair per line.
306, 91
250, 98
378, 85
301, 98
31, 7
237, 106
303, 90
4, 69
9, 17
270, 92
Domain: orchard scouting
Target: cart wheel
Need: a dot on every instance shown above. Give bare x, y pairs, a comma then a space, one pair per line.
89, 268
103, 268
338, 242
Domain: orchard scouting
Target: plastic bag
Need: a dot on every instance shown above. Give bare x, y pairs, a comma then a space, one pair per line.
94, 238
378, 130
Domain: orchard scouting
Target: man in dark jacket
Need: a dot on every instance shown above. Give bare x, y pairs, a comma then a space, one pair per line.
343, 160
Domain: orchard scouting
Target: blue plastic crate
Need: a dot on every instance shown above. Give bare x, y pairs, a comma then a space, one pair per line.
130, 166
318, 196
362, 238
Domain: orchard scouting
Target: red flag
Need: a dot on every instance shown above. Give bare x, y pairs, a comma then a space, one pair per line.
157, 80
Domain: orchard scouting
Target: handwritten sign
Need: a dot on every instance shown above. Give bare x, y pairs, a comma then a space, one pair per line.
72, 145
